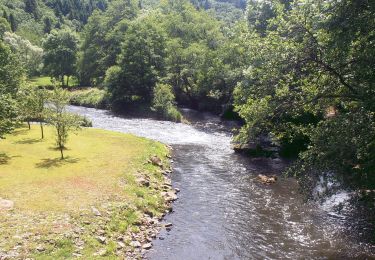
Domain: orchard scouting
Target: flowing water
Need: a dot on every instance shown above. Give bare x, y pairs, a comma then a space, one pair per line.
222, 212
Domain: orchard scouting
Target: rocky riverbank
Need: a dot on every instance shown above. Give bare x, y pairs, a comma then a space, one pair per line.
113, 214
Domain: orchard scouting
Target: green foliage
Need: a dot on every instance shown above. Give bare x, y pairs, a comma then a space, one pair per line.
141, 62
63, 121
101, 41
8, 114
29, 55
4, 26
11, 77
91, 97
61, 54
31, 103
164, 102
309, 78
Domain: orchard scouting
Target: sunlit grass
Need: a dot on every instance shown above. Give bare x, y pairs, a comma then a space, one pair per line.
33, 176
53, 196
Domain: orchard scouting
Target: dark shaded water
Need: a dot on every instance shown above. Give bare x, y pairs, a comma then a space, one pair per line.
222, 212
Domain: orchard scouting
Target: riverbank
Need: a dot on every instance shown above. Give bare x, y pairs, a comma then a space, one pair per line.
106, 199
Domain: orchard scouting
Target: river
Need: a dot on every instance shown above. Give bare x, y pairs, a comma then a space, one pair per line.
222, 211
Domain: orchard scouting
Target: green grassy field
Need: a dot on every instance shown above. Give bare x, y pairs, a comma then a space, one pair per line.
53, 197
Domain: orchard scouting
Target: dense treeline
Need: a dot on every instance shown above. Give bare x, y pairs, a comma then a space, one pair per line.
300, 74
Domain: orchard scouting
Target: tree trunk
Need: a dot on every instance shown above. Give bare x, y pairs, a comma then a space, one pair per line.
41, 129
62, 153
28, 123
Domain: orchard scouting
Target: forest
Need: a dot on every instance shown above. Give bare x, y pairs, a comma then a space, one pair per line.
297, 74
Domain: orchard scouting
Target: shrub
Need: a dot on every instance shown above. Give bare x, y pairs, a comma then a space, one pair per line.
164, 103
92, 97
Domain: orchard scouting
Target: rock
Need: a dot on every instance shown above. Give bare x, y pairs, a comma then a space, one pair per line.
86, 222
135, 244
101, 232
167, 225
177, 190
6, 204
141, 181
156, 161
40, 248
101, 252
120, 245
147, 246
267, 179
76, 255
169, 196
96, 211
101, 239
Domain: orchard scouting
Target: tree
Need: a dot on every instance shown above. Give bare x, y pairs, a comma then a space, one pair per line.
11, 77
164, 102
4, 27
29, 55
60, 54
101, 40
309, 87
63, 121
141, 62
31, 7
31, 103
8, 114
47, 25
13, 22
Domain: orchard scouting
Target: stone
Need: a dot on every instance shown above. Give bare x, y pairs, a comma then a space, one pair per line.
177, 190
168, 225
101, 239
267, 179
147, 246
6, 204
141, 181
40, 248
101, 252
156, 161
96, 211
101, 232
135, 244
120, 245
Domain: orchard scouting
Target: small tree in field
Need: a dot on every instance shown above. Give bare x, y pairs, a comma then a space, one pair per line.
63, 121
32, 105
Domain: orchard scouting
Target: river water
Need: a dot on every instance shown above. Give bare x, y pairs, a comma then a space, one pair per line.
222, 212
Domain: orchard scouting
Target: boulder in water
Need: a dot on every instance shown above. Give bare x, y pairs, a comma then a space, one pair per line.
267, 179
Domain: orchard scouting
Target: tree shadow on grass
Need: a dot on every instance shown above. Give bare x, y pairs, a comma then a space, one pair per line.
20, 132
56, 162
28, 141
4, 158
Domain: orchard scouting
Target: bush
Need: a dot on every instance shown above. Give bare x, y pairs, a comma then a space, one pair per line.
86, 122
92, 97
164, 103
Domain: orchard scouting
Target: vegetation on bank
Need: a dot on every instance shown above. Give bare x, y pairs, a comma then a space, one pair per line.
89, 97
87, 204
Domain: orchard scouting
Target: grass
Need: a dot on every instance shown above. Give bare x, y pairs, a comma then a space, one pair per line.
53, 197
45, 81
